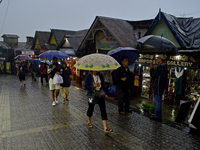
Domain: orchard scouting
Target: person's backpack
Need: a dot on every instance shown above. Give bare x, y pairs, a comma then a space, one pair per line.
114, 77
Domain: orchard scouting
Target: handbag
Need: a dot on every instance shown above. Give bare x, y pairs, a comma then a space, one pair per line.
93, 98
57, 79
101, 94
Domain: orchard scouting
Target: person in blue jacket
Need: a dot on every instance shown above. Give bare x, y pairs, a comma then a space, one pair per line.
95, 81
64, 87
159, 77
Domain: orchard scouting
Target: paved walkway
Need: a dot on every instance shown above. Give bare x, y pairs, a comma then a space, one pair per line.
28, 121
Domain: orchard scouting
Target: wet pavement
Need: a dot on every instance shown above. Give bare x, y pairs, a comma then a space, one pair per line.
28, 121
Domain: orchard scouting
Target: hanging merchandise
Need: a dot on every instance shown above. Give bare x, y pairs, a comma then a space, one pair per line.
178, 82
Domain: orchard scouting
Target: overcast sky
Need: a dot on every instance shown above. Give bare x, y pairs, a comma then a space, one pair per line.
24, 17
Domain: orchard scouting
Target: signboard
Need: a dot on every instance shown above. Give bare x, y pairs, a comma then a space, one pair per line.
104, 43
68, 51
181, 60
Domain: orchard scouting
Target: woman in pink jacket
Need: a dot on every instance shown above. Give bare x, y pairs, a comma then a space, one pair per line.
43, 73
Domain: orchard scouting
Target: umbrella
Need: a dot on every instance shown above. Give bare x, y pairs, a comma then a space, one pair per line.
46, 62
159, 42
97, 62
38, 62
120, 52
53, 53
23, 57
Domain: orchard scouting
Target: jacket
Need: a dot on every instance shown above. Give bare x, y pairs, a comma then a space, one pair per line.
89, 83
66, 79
43, 70
121, 73
52, 73
159, 77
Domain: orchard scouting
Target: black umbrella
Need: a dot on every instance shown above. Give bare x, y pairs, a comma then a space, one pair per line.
160, 43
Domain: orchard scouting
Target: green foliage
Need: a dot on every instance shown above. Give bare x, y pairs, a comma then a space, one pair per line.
147, 107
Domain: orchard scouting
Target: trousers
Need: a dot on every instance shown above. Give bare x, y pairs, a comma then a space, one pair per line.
102, 106
123, 99
157, 101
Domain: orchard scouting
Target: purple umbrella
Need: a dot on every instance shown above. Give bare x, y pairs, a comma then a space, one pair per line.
23, 57
120, 52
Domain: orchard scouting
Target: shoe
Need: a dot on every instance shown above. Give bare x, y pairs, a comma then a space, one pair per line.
108, 130
155, 118
90, 125
122, 113
54, 103
21, 84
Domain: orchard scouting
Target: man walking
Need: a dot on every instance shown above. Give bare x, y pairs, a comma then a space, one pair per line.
52, 70
123, 82
159, 77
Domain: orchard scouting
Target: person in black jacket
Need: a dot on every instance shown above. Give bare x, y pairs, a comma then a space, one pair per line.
159, 77
123, 81
64, 87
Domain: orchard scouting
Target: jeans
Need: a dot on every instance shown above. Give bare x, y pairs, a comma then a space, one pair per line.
157, 100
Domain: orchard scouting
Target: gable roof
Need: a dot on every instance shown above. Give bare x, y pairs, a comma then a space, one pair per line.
10, 36
76, 38
122, 30
59, 34
42, 36
185, 30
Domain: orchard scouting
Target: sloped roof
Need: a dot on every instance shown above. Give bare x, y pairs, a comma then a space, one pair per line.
124, 31
43, 37
121, 30
10, 36
59, 34
76, 39
50, 46
185, 30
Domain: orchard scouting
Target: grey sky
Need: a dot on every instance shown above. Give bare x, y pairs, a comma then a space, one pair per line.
24, 17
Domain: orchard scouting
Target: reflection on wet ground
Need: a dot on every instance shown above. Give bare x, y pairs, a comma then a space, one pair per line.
169, 112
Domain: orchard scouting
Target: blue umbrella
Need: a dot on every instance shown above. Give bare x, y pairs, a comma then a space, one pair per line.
53, 53
38, 62
120, 52
46, 62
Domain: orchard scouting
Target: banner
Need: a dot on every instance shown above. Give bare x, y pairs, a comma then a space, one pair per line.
181, 60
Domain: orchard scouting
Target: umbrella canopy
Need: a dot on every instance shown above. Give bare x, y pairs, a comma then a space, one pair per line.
53, 53
160, 43
38, 62
97, 62
120, 52
23, 57
46, 62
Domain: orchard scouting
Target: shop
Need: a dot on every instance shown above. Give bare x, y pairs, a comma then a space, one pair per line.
183, 77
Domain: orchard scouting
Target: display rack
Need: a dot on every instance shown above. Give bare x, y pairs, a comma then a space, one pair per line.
145, 82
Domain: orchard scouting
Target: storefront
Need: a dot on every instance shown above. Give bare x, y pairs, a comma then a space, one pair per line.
178, 88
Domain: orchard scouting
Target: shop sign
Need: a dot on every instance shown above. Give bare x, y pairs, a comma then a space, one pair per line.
104, 43
181, 60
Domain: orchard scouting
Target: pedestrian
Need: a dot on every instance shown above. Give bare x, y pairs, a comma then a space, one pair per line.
21, 73
95, 81
53, 69
43, 73
123, 82
159, 77
34, 70
64, 87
